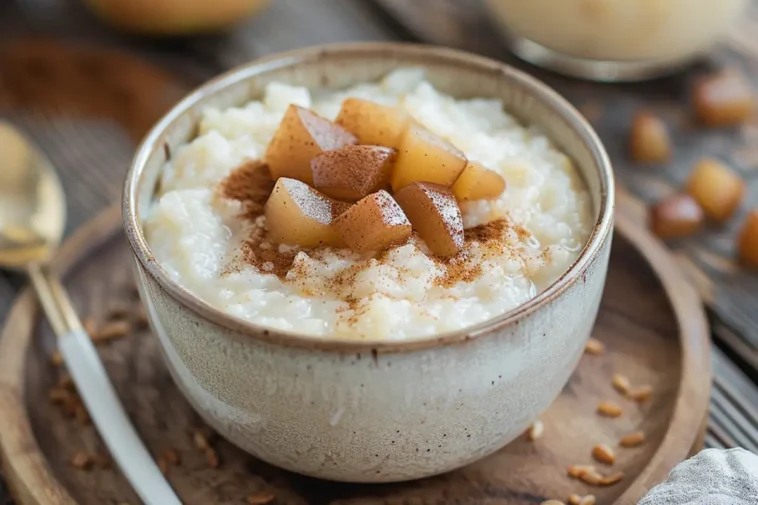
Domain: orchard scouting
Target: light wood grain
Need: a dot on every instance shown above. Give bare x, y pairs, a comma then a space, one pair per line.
655, 334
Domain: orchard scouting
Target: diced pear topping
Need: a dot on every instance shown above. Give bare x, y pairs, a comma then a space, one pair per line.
301, 136
649, 140
717, 188
435, 215
478, 183
723, 99
352, 172
375, 223
425, 157
371, 122
297, 214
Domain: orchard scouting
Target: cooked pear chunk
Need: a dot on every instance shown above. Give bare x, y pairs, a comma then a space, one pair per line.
478, 183
297, 214
301, 136
371, 122
425, 157
375, 223
434, 214
352, 172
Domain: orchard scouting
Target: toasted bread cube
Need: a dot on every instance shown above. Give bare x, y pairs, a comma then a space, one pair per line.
371, 122
375, 223
717, 188
748, 240
352, 172
478, 183
723, 99
301, 136
425, 157
649, 140
676, 216
297, 214
435, 215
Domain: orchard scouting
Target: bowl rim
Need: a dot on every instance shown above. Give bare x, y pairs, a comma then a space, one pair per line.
600, 231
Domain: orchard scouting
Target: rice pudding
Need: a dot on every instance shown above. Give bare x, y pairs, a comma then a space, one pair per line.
208, 225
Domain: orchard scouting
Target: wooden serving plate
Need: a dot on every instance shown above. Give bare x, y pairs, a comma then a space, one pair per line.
651, 323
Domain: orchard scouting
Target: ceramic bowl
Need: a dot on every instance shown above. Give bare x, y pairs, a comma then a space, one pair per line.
375, 411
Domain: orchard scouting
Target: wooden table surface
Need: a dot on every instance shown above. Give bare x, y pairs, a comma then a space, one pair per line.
88, 117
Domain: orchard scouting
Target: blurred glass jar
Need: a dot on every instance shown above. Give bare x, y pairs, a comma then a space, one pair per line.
614, 40
174, 17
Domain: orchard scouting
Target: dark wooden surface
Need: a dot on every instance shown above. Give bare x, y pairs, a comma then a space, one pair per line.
663, 349
92, 144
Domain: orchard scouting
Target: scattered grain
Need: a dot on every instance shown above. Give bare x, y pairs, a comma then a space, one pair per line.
609, 409
621, 383
552, 502
594, 346
212, 458
612, 479
58, 395
632, 439
576, 471
261, 498
587, 500
111, 331
641, 394
603, 454
201, 442
649, 140
593, 478
535, 430
82, 461
574, 499
172, 456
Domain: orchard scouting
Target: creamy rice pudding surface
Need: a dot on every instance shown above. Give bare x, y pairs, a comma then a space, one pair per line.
207, 230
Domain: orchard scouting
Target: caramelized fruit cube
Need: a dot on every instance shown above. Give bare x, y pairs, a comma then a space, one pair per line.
748, 241
375, 223
301, 136
478, 183
425, 157
371, 122
649, 140
676, 216
435, 215
299, 215
717, 188
723, 99
352, 172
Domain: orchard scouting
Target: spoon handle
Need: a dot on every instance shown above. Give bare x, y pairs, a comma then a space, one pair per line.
97, 392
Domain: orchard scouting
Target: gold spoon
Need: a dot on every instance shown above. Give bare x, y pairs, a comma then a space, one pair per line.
32, 218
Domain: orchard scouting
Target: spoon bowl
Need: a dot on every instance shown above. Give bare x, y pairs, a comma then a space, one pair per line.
32, 203
32, 220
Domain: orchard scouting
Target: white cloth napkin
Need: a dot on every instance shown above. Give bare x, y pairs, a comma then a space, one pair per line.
712, 477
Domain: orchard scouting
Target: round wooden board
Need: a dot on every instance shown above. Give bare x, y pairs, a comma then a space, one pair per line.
652, 325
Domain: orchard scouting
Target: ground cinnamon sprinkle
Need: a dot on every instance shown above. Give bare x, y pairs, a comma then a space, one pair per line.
458, 268
251, 184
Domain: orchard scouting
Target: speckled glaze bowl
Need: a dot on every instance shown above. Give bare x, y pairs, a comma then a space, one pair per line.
375, 411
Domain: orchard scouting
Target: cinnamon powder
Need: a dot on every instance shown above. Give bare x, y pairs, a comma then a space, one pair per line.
251, 184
